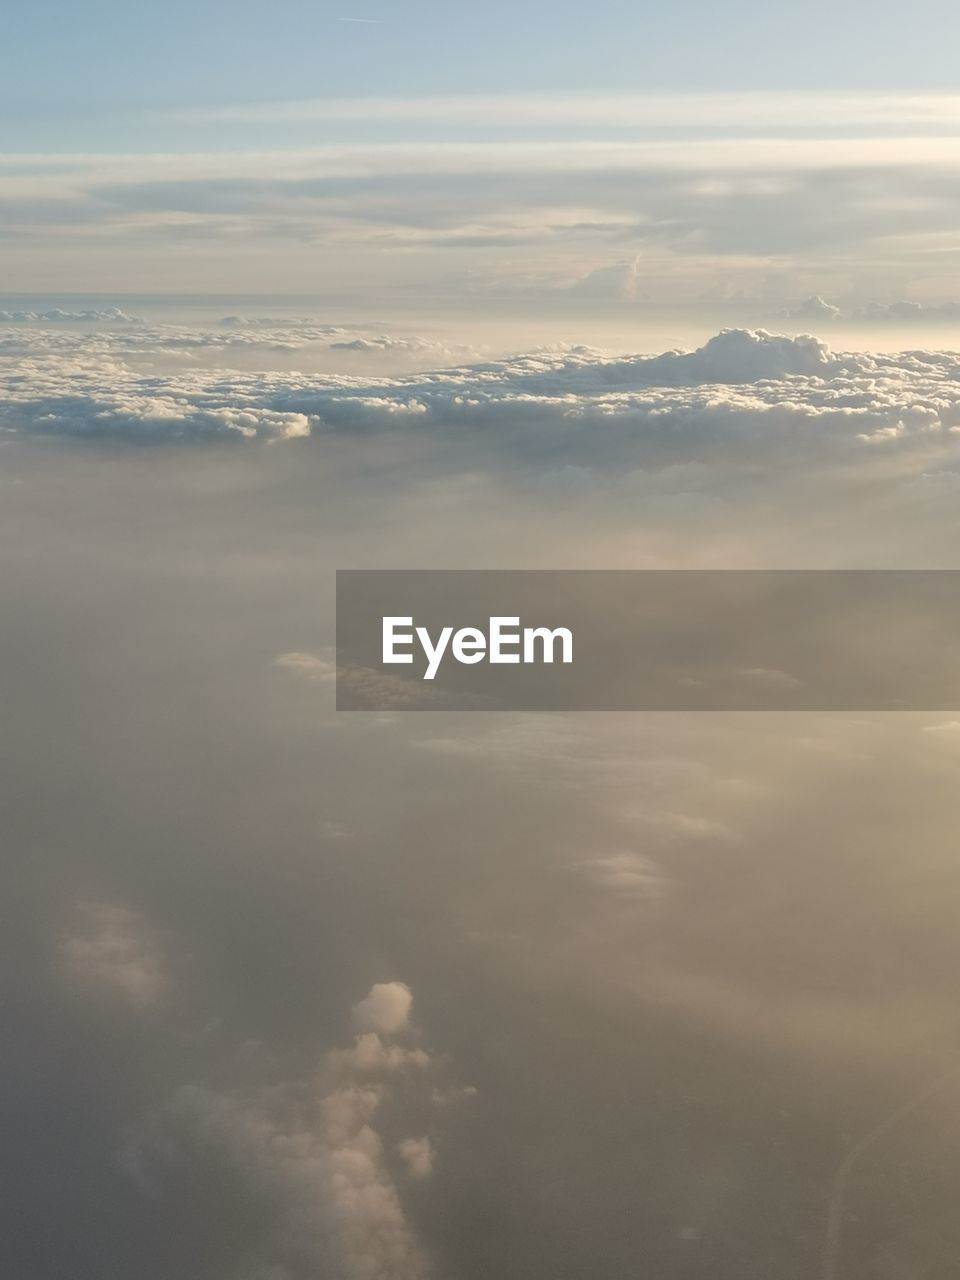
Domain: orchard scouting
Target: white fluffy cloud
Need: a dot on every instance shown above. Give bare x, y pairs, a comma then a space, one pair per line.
814, 309
386, 1010
56, 315
904, 312
371, 1054
619, 280
311, 1155
418, 1155
743, 388
319, 1176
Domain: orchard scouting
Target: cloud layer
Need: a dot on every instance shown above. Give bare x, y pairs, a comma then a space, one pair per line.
742, 389
767, 196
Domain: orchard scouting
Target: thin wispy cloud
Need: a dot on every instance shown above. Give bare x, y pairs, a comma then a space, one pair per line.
758, 112
781, 217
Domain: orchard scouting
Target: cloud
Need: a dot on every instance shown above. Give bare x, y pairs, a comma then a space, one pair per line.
759, 112
419, 347
418, 1154
621, 280
308, 1155
739, 355
908, 312
743, 389
687, 827
386, 1009
111, 315
309, 665
626, 872
112, 949
371, 1056
818, 311
813, 308
713, 212
318, 1178
262, 337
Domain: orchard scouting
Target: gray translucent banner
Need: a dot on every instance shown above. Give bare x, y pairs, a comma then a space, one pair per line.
648, 640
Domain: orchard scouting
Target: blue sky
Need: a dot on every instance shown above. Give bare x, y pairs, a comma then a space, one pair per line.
78, 70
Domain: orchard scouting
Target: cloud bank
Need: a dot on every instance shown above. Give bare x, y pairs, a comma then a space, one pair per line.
742, 389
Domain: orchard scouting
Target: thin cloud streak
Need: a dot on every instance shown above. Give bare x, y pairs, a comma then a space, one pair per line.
375, 159
767, 111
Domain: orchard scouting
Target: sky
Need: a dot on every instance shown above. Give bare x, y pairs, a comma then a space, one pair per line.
112, 58
555, 157
292, 993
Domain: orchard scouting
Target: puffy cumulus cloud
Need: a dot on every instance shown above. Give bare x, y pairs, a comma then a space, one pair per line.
909, 312
371, 1055
814, 308
818, 310
248, 423
386, 1009
56, 315
745, 389
309, 1155
418, 1155
739, 355
112, 949
318, 1178
619, 280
